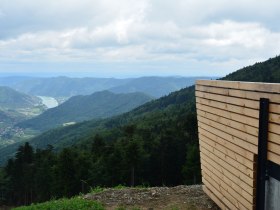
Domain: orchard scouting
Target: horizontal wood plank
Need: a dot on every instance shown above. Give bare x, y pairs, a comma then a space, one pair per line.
242, 168
211, 170
273, 157
229, 115
235, 140
235, 105
208, 162
231, 131
229, 100
229, 107
249, 180
274, 129
224, 190
251, 157
272, 147
231, 123
239, 158
214, 198
252, 86
220, 192
251, 95
239, 201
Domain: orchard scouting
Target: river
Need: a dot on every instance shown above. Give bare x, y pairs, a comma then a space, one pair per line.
50, 102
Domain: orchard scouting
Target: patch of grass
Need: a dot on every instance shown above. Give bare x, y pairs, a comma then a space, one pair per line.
119, 187
97, 189
143, 186
65, 204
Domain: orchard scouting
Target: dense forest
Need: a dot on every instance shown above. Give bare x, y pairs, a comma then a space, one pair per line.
132, 159
155, 144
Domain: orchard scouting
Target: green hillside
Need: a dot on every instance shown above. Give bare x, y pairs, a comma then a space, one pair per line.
80, 108
65, 86
268, 71
12, 99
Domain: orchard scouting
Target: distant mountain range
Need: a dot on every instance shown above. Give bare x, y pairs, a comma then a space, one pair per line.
80, 108
11, 99
156, 113
155, 86
67, 87
173, 114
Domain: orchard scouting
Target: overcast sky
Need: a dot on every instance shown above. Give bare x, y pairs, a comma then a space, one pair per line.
130, 38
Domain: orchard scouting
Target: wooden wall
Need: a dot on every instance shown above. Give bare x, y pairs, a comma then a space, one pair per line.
227, 114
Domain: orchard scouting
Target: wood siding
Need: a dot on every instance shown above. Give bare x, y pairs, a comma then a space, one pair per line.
227, 114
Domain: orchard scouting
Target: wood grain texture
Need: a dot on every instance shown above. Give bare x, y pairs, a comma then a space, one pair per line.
228, 126
253, 86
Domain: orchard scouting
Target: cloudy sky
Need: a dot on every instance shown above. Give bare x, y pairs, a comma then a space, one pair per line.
130, 38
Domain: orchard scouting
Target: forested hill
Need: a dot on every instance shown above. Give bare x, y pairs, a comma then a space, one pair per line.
159, 115
98, 105
12, 99
152, 114
268, 71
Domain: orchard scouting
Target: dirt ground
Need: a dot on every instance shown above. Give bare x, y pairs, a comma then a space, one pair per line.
155, 198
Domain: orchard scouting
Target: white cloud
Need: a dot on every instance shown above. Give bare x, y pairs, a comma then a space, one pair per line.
210, 33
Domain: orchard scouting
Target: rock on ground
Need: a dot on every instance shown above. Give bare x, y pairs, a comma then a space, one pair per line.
154, 198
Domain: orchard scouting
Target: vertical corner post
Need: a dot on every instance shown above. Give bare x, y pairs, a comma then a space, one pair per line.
262, 153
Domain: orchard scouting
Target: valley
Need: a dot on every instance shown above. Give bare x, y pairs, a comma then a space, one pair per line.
34, 114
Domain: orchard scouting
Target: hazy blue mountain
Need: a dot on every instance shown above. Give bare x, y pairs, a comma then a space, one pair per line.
67, 87
12, 80
80, 108
155, 86
12, 99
